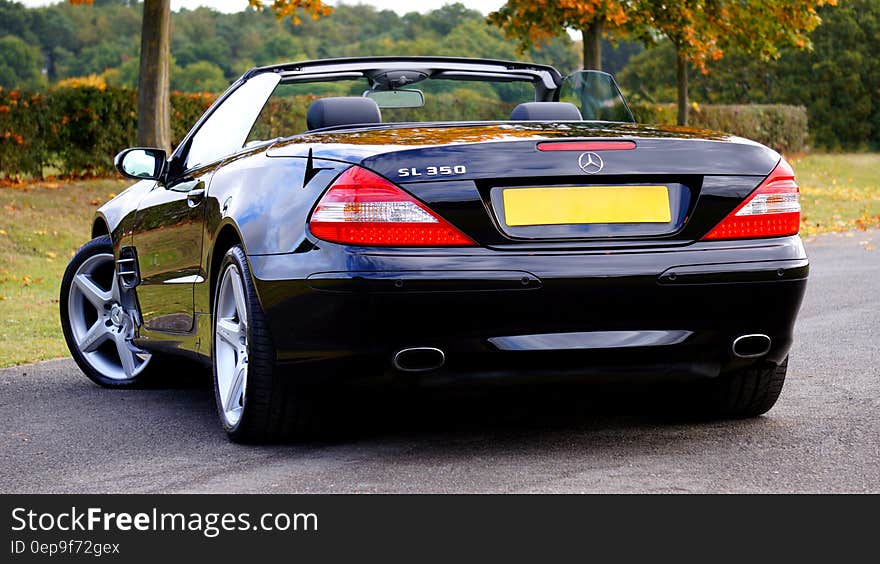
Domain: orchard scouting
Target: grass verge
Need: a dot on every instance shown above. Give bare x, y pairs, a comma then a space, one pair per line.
838, 192
40, 227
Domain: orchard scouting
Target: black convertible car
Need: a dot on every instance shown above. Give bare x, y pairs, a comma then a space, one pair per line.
542, 236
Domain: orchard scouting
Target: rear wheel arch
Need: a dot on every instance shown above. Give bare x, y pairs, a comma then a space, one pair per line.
226, 238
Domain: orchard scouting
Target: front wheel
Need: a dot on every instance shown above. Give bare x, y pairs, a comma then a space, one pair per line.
256, 404
98, 319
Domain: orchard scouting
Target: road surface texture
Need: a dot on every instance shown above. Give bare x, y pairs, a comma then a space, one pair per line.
61, 433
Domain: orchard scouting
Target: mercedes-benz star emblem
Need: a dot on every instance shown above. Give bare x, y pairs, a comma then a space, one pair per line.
591, 163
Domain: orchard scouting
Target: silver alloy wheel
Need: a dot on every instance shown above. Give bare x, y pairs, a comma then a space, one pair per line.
101, 325
231, 345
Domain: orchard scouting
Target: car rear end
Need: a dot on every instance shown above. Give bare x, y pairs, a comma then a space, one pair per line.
626, 253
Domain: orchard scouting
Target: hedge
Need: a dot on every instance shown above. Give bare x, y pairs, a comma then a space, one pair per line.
781, 127
77, 129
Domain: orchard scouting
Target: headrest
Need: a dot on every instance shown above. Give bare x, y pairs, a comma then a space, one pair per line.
328, 112
546, 111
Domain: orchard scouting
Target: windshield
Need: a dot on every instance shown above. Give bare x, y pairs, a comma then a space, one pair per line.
346, 92
284, 113
285, 100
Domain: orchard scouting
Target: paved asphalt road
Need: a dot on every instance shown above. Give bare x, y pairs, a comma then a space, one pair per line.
60, 433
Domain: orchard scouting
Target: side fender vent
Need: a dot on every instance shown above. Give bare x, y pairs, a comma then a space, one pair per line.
127, 268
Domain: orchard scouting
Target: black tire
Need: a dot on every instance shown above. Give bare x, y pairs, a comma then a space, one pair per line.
98, 246
748, 393
272, 408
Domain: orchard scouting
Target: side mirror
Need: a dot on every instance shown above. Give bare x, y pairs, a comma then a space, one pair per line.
141, 163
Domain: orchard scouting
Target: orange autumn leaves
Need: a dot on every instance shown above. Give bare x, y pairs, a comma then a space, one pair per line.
701, 30
288, 8
282, 8
532, 22
11, 100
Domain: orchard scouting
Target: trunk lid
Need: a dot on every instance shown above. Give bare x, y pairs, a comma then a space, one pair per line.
672, 187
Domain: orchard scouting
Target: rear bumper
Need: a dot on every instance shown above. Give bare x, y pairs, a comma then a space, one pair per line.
669, 314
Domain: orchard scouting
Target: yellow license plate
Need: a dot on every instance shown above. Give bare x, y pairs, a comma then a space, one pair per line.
586, 204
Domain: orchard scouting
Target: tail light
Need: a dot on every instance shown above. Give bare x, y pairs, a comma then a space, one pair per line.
362, 208
771, 210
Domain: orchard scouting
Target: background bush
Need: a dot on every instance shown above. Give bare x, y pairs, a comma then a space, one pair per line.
781, 127
75, 129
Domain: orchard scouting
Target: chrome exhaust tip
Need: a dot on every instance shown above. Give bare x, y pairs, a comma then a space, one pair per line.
418, 359
751, 346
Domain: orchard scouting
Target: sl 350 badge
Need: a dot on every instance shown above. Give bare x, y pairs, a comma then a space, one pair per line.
432, 171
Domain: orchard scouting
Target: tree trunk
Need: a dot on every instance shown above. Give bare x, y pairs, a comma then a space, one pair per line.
593, 46
681, 72
154, 104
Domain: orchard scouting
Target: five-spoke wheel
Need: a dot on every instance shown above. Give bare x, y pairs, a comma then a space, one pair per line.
100, 321
256, 401
97, 318
231, 344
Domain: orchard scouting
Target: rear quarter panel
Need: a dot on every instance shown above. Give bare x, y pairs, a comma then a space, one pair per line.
267, 202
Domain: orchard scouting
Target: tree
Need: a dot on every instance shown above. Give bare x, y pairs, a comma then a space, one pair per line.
842, 93
201, 76
19, 64
84, 40
154, 76
532, 22
154, 127
700, 31
693, 27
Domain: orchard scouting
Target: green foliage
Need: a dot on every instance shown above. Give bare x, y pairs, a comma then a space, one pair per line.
281, 117
200, 76
616, 55
650, 76
77, 130
92, 121
20, 64
77, 41
186, 109
781, 127
838, 81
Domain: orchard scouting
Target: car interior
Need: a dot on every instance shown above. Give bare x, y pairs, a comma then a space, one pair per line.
354, 110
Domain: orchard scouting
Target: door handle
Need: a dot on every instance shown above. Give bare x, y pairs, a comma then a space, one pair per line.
195, 196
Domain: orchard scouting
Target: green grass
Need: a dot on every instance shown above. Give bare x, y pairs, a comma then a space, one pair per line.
44, 223
40, 227
838, 192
